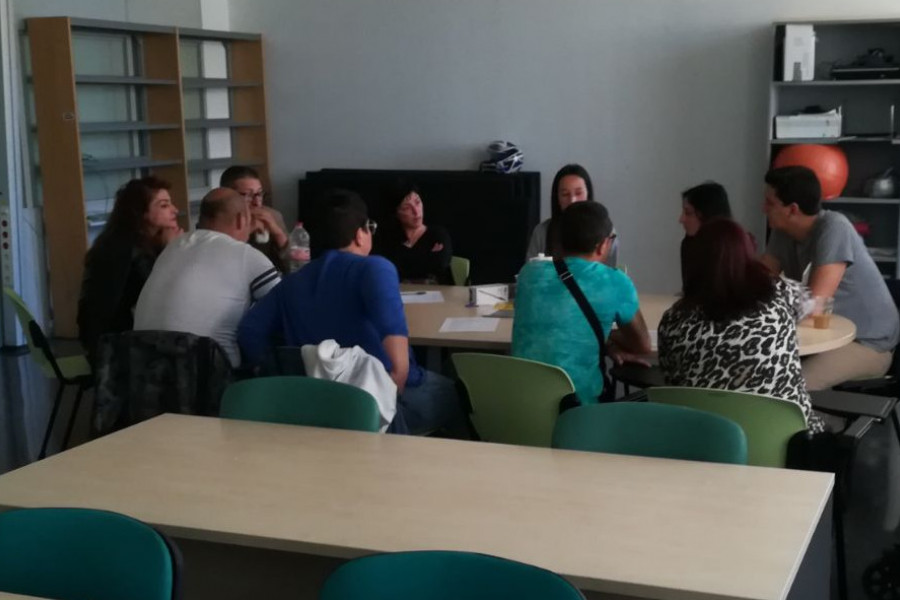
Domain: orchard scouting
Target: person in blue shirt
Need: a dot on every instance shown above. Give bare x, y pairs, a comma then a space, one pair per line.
353, 298
550, 327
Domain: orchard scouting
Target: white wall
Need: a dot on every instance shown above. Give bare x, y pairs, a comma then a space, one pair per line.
651, 96
184, 13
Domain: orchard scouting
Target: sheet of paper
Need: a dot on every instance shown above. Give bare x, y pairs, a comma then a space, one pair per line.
469, 324
427, 297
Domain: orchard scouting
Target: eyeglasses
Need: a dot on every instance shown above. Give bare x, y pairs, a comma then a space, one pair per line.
372, 226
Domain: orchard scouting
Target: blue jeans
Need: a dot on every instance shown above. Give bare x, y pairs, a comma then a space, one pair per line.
431, 405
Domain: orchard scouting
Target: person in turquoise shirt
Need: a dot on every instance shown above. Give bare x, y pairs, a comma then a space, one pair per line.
549, 326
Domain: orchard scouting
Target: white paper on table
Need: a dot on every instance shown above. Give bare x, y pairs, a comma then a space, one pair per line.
428, 297
469, 324
654, 339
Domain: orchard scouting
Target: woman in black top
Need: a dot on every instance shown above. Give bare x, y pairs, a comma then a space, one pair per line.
142, 222
420, 252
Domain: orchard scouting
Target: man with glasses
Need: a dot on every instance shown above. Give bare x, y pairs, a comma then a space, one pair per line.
270, 234
353, 298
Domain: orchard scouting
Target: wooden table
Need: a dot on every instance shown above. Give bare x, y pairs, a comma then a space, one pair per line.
424, 321
621, 525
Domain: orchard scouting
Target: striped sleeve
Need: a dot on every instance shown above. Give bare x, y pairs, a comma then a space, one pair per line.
262, 274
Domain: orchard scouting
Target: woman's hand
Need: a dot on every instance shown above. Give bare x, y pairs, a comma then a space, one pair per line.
264, 219
437, 247
167, 234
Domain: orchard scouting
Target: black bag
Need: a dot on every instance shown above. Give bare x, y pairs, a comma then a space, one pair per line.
609, 393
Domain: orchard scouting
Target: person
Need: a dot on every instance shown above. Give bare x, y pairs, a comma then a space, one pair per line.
205, 281
570, 184
270, 234
824, 241
143, 220
550, 327
420, 252
735, 327
353, 298
700, 204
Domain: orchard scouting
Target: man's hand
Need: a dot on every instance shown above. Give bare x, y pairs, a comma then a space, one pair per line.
620, 356
264, 220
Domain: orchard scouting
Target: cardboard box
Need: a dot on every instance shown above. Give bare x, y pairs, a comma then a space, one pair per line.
826, 125
799, 53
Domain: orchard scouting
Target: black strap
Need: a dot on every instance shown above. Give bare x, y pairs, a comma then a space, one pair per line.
608, 393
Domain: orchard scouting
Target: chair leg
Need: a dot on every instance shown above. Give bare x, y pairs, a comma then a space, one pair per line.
50, 423
72, 417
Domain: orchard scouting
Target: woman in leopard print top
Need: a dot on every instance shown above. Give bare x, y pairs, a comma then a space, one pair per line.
735, 328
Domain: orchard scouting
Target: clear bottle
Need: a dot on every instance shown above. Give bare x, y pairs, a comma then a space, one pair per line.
298, 245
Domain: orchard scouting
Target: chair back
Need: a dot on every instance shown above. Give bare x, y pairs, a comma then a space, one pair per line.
142, 374
42, 355
650, 429
767, 422
459, 268
84, 554
301, 401
443, 575
514, 400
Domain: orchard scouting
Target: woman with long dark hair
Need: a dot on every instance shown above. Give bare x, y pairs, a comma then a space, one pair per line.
571, 184
142, 222
420, 252
735, 327
700, 204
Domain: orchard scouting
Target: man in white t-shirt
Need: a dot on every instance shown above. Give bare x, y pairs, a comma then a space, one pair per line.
205, 281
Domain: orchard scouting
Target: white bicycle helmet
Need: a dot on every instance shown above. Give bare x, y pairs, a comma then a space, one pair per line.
505, 158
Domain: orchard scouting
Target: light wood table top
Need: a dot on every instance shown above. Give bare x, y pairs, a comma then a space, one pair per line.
645, 527
424, 321
5, 596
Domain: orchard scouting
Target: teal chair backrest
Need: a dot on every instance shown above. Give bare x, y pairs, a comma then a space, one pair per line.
459, 268
24, 316
296, 400
443, 575
769, 423
649, 429
514, 400
83, 554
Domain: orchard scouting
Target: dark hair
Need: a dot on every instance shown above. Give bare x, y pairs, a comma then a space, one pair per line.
231, 175
797, 185
339, 215
571, 169
709, 199
582, 226
400, 190
722, 278
132, 202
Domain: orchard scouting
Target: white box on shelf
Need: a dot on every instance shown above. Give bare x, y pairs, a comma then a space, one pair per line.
799, 53
488, 295
824, 125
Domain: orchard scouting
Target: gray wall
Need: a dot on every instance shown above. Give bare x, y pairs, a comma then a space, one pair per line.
650, 95
185, 13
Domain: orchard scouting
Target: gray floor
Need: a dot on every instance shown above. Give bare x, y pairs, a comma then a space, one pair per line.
872, 517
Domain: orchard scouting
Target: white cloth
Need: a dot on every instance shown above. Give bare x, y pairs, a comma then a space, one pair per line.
203, 283
353, 366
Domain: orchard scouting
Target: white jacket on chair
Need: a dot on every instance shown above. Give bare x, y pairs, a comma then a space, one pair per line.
353, 366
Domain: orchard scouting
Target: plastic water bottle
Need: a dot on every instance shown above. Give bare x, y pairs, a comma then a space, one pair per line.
298, 244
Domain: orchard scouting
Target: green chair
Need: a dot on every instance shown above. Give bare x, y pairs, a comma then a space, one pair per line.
84, 554
443, 575
301, 401
768, 422
69, 370
459, 268
649, 429
514, 400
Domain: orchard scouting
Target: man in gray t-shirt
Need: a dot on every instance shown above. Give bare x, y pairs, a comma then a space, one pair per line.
805, 236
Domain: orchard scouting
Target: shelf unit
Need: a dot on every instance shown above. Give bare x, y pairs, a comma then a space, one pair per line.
871, 139
150, 86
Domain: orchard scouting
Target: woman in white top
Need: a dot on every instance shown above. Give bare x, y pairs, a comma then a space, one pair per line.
571, 184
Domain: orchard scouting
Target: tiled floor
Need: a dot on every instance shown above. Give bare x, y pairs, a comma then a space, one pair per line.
872, 516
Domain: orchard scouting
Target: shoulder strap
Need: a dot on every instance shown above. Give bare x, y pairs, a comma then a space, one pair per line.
569, 281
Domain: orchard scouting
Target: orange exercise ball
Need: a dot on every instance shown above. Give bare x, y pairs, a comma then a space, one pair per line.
828, 162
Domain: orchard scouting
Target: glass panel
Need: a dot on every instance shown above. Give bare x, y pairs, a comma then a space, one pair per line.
193, 104
100, 189
97, 146
197, 180
101, 54
190, 58
104, 102
195, 144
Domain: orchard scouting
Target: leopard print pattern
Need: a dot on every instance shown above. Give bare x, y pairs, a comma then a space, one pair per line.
757, 353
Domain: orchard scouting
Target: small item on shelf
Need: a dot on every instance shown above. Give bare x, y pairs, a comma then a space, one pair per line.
881, 186
874, 64
820, 124
861, 226
799, 52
